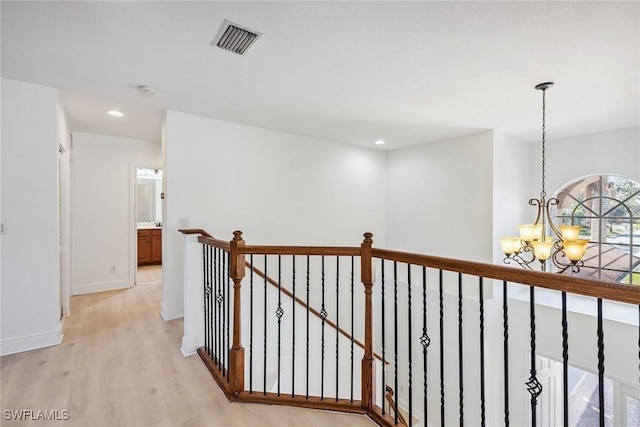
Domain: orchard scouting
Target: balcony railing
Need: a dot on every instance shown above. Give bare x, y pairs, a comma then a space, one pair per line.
343, 328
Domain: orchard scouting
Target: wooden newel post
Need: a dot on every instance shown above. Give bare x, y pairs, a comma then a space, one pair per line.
368, 380
236, 354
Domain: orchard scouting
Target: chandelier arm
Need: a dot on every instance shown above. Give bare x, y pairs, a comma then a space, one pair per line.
538, 203
526, 248
516, 258
552, 202
558, 255
575, 268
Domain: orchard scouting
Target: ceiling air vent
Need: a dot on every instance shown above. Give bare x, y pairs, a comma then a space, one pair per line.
235, 38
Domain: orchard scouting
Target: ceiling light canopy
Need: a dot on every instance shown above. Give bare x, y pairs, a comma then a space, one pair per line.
147, 90
115, 113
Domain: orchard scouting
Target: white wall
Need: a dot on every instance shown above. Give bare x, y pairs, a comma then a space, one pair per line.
275, 187
615, 152
102, 197
439, 194
30, 268
511, 189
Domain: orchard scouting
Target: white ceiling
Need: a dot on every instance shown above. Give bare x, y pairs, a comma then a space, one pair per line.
355, 72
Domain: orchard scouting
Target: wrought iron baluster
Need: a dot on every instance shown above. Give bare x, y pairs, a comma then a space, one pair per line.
213, 320
337, 322
505, 326
483, 416
460, 359
213, 308
223, 350
323, 316
600, 365
251, 326
264, 373
395, 336
205, 289
425, 341
222, 291
216, 307
220, 308
227, 348
384, 368
533, 385
409, 342
213, 304
293, 327
565, 362
279, 313
441, 298
307, 391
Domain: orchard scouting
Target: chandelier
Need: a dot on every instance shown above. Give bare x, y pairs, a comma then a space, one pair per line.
542, 240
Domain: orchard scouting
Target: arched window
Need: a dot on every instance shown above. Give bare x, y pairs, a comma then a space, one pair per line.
607, 207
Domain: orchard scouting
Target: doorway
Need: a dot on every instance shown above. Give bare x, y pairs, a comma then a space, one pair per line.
147, 217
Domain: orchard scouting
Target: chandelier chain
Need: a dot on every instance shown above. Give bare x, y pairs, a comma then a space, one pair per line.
543, 194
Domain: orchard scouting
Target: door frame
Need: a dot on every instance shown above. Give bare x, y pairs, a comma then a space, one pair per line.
133, 224
64, 222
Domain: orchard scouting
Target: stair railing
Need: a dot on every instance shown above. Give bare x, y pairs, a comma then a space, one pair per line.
407, 290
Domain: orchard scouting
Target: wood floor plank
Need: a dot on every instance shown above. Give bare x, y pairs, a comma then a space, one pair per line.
120, 365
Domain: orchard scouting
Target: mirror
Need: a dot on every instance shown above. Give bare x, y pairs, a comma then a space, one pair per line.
148, 197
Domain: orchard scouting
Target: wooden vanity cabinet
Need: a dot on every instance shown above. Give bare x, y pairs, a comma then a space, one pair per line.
149, 246
156, 246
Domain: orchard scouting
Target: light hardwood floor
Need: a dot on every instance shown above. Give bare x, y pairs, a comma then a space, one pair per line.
148, 274
120, 365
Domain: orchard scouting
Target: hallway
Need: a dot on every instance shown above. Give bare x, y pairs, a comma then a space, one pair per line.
120, 365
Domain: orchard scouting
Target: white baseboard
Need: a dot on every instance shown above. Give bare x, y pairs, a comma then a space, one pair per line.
31, 342
170, 313
157, 282
89, 288
188, 347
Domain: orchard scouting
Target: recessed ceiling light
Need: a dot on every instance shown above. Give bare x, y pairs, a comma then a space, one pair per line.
379, 142
115, 113
147, 90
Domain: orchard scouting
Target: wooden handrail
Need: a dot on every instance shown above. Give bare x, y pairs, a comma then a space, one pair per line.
394, 406
207, 238
194, 231
312, 310
576, 285
300, 250
558, 282
216, 243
